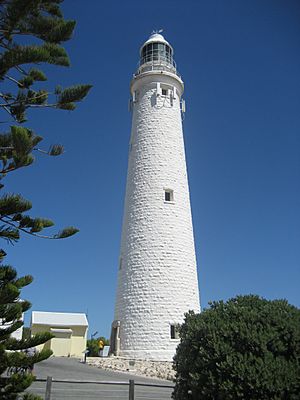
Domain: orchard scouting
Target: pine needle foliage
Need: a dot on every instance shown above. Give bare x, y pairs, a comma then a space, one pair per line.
32, 33
44, 21
13, 352
41, 20
245, 348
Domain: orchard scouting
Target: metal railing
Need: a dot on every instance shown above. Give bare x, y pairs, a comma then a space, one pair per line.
131, 385
156, 66
157, 63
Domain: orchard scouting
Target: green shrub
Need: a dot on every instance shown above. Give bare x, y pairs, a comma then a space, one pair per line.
245, 348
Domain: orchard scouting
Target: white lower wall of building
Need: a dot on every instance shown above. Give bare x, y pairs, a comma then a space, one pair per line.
150, 354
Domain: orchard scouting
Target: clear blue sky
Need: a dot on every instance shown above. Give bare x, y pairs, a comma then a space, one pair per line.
240, 61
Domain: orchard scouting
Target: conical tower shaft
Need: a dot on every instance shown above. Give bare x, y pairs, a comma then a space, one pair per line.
157, 278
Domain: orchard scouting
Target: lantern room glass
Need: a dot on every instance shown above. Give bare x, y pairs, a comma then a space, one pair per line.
156, 52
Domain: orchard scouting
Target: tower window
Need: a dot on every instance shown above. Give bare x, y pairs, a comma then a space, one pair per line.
135, 96
174, 331
169, 195
164, 92
120, 263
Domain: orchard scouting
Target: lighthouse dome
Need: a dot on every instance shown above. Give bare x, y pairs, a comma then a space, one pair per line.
157, 38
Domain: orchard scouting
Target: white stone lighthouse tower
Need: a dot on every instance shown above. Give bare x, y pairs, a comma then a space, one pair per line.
157, 281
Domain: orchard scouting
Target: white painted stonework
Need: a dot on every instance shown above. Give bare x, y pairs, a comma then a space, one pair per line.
157, 281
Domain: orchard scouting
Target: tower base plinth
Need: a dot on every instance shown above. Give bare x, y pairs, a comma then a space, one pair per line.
149, 354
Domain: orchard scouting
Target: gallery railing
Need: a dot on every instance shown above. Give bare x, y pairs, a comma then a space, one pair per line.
157, 63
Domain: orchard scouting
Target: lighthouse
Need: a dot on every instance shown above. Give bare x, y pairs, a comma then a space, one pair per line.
157, 271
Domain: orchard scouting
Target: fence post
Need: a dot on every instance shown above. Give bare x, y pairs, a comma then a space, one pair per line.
131, 389
48, 388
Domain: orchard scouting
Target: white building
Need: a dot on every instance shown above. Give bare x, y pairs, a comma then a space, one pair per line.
157, 279
69, 330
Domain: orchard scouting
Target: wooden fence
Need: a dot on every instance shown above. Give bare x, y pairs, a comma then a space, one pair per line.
131, 385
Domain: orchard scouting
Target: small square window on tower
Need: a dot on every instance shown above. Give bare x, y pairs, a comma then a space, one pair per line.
169, 195
135, 96
174, 331
164, 92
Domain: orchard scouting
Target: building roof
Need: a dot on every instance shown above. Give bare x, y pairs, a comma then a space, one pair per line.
58, 318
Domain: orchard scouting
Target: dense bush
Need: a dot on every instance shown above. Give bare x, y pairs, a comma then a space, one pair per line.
245, 348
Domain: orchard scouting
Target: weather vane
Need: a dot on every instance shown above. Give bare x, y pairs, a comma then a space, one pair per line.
157, 31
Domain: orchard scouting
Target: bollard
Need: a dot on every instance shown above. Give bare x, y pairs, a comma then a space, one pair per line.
48, 388
131, 389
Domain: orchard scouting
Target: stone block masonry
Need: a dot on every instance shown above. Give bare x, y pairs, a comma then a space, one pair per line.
157, 279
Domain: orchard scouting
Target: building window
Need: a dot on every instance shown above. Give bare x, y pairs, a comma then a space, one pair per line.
120, 263
169, 195
164, 92
174, 331
135, 96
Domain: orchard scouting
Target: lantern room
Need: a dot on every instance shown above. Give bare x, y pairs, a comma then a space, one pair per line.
158, 53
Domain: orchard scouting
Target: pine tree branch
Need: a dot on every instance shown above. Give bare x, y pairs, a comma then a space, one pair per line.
21, 70
11, 169
4, 96
6, 107
14, 80
63, 234
55, 150
9, 112
17, 102
15, 32
10, 223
